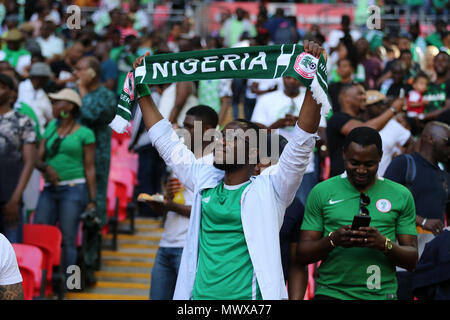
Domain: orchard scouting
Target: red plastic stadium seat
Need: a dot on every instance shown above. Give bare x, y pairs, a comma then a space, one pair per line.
48, 238
120, 185
30, 260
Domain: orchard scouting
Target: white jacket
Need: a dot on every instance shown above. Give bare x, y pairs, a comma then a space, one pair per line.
263, 204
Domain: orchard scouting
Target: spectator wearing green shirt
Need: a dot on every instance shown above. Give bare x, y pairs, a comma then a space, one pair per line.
233, 28
66, 158
446, 42
438, 93
359, 264
14, 52
232, 249
435, 39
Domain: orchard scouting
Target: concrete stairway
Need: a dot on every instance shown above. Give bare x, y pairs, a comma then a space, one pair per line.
125, 273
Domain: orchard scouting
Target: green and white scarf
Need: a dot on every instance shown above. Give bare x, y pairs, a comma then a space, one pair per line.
260, 62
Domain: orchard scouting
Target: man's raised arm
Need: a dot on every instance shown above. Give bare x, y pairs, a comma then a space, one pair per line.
150, 113
309, 117
294, 160
174, 153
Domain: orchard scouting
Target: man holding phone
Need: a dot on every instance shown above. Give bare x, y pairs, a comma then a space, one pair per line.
359, 262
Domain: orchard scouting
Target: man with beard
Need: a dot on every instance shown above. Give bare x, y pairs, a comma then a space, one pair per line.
359, 263
429, 187
438, 93
352, 98
232, 249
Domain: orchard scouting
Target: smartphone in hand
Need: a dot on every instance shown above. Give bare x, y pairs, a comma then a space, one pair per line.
360, 221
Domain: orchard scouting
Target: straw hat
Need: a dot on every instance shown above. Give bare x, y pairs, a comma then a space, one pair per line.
67, 95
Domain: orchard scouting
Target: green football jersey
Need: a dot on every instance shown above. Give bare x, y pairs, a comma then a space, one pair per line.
359, 273
436, 95
224, 270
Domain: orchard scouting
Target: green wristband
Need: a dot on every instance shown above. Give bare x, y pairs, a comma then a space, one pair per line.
142, 90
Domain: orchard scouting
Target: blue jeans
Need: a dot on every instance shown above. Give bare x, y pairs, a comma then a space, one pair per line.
63, 204
164, 273
14, 233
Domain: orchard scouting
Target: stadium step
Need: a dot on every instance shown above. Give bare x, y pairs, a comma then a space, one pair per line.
125, 274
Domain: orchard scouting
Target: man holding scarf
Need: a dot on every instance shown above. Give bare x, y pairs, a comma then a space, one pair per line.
235, 217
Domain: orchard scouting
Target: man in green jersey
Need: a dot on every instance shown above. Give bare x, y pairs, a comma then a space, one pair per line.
232, 249
359, 264
438, 93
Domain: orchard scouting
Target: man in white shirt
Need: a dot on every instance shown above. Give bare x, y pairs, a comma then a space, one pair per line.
253, 215
51, 45
255, 89
276, 111
394, 136
168, 257
335, 35
10, 277
32, 93
141, 21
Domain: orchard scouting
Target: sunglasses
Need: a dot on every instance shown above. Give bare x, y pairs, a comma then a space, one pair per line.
54, 148
364, 201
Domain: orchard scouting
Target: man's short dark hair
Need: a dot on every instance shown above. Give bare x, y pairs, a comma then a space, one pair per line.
248, 125
94, 64
345, 59
345, 20
405, 51
364, 136
348, 86
206, 114
7, 81
444, 53
282, 142
176, 23
419, 75
128, 39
